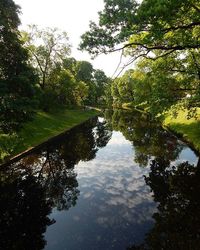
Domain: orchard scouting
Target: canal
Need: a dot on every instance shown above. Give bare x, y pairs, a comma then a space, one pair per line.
115, 182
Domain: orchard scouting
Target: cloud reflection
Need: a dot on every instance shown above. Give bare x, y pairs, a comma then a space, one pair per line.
118, 183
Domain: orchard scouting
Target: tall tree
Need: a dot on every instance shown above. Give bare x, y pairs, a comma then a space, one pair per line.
84, 71
100, 81
47, 48
16, 76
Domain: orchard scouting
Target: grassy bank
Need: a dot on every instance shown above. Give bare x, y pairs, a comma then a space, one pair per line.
44, 126
188, 128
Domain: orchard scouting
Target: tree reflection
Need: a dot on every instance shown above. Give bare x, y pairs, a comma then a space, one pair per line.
177, 221
148, 137
24, 212
46, 179
103, 134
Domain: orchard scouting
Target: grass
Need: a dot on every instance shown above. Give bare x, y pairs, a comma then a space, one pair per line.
47, 125
188, 128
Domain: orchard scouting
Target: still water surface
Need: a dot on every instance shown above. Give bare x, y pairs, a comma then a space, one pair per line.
118, 182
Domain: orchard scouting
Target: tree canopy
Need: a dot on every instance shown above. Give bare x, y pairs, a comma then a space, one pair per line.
17, 78
47, 47
157, 26
165, 36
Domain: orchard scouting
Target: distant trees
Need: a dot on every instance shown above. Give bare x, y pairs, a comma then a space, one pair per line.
17, 78
62, 80
160, 85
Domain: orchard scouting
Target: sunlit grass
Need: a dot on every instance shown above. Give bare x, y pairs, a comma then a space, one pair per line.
47, 125
189, 128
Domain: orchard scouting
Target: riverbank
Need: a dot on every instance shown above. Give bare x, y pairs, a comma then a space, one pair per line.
189, 129
43, 127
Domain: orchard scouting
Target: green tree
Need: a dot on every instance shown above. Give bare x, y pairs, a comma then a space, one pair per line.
80, 92
47, 47
100, 82
170, 82
122, 89
69, 63
154, 29
145, 27
83, 72
17, 78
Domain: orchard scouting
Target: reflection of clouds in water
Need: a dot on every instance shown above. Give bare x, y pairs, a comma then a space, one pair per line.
76, 218
186, 155
118, 139
118, 183
87, 195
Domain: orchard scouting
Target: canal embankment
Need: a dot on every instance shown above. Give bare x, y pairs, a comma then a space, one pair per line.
43, 127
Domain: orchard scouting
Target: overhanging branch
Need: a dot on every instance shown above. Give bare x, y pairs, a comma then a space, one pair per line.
156, 47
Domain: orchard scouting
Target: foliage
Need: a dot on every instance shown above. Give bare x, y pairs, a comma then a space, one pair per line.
62, 79
47, 48
122, 89
17, 78
161, 84
8, 144
166, 34
143, 27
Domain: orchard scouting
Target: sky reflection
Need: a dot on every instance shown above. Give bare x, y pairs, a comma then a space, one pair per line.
103, 185
114, 200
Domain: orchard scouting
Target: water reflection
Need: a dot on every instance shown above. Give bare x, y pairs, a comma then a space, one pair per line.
147, 136
104, 185
24, 212
31, 187
177, 221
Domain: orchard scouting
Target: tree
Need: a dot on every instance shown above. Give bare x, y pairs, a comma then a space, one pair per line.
122, 89
63, 83
171, 82
100, 82
69, 63
149, 26
151, 29
84, 71
80, 92
17, 78
47, 48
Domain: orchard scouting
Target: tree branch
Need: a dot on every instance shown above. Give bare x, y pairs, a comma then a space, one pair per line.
187, 26
156, 47
195, 7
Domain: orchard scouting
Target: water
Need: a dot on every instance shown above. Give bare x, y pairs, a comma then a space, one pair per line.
119, 182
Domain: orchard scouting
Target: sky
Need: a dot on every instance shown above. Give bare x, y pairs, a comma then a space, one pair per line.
72, 17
